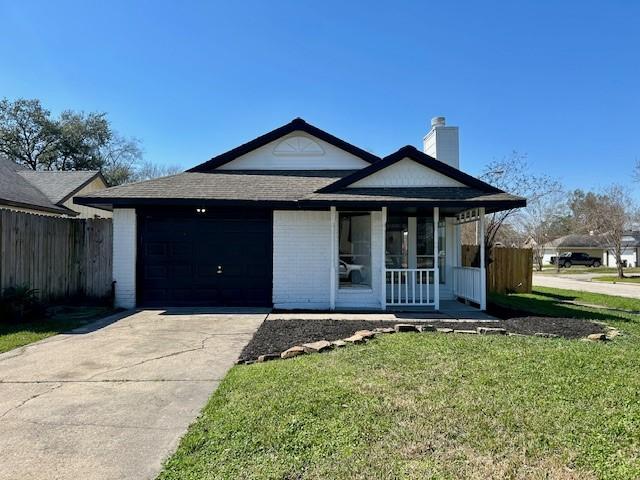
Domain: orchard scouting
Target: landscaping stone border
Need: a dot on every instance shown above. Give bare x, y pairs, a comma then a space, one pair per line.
362, 336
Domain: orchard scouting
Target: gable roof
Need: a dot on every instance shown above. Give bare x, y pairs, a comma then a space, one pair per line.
419, 157
576, 240
297, 124
59, 186
16, 191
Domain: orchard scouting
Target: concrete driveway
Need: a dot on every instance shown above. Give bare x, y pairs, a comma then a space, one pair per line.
112, 400
584, 283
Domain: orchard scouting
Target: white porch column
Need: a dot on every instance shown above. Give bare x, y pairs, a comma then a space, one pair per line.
455, 255
334, 261
436, 259
383, 261
483, 273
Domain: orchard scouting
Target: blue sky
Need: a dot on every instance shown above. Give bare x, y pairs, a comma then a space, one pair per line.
559, 81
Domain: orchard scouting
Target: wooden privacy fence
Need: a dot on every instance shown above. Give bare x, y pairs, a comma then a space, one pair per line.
510, 270
60, 257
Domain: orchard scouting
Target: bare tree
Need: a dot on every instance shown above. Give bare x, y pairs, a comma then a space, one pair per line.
122, 156
609, 214
514, 175
148, 170
539, 221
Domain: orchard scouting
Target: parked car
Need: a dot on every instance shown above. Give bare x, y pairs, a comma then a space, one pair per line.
576, 258
351, 272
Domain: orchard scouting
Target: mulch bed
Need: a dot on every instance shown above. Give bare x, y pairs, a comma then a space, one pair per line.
563, 327
275, 336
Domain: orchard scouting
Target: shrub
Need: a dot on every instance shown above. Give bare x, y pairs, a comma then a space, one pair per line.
19, 304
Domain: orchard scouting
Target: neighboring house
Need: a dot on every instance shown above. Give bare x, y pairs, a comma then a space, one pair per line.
300, 219
48, 192
630, 251
594, 246
575, 243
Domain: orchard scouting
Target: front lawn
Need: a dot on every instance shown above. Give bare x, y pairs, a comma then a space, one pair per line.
433, 406
19, 334
615, 279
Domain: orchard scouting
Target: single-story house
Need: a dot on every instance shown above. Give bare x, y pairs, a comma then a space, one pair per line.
594, 246
48, 192
300, 219
575, 243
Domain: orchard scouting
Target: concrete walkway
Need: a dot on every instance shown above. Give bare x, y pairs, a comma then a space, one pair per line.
450, 310
111, 401
574, 282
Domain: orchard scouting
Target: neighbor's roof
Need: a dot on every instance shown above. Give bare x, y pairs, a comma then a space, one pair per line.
631, 239
17, 191
59, 186
286, 188
577, 241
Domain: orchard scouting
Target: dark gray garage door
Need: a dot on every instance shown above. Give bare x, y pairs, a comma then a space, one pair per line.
211, 259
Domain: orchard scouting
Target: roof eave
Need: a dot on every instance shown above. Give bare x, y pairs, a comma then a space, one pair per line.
30, 206
490, 205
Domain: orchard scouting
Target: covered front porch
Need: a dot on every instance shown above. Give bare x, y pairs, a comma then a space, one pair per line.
404, 259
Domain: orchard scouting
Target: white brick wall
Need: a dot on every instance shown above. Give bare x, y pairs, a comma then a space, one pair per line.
124, 256
301, 259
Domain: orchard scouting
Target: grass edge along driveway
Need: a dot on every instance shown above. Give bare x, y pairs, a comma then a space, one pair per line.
16, 335
433, 406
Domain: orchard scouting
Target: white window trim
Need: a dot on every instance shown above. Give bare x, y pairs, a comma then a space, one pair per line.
353, 290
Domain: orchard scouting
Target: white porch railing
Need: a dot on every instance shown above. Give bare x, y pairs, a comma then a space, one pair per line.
409, 286
467, 283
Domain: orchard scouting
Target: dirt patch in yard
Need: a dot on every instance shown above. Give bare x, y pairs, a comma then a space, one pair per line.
275, 336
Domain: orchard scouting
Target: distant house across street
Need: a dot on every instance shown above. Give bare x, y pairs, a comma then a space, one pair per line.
593, 246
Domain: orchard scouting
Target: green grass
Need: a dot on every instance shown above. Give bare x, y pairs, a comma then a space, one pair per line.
555, 302
17, 335
433, 406
615, 279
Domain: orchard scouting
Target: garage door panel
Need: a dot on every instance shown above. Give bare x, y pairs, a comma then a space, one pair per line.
155, 272
180, 258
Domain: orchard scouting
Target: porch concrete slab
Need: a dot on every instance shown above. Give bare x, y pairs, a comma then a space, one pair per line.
112, 401
449, 310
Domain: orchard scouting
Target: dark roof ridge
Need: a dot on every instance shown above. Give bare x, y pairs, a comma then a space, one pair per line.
295, 124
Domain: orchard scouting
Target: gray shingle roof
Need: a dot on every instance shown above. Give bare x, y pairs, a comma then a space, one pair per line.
298, 187
56, 185
16, 191
265, 185
577, 241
